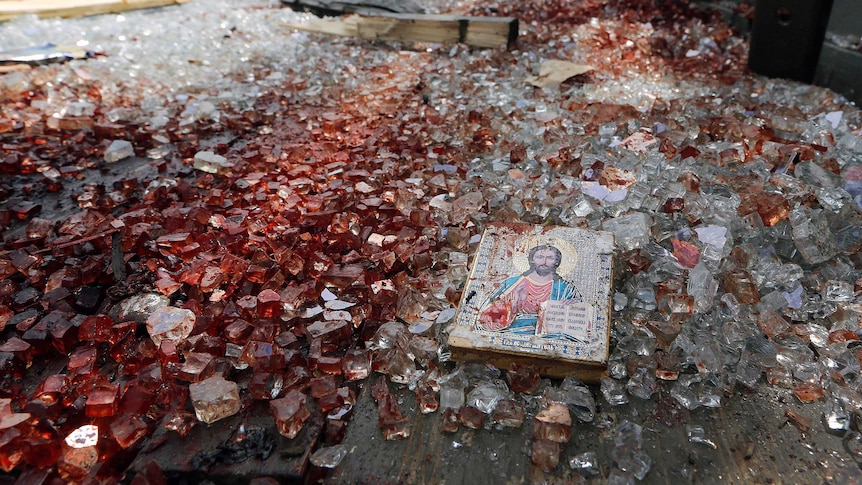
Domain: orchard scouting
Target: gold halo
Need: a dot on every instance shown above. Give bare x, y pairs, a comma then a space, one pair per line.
520, 258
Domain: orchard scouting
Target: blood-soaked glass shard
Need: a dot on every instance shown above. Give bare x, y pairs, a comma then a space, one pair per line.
263, 355
103, 401
450, 421
356, 364
170, 323
215, 398
75, 463
24, 320
741, 284
342, 276
6, 314
23, 209
470, 417
686, 253
773, 208
523, 378
167, 286
180, 421
12, 420
323, 385
772, 324
169, 357
209, 344
82, 362
807, 392
290, 413
426, 399
127, 430
677, 307
197, 367
247, 305
689, 151
213, 277
22, 350
96, 328
667, 365
11, 449
266, 385
268, 304
173, 242
393, 423
664, 332
334, 334
800, 421
545, 454
843, 335
52, 388
674, 204
553, 423
637, 262
329, 365
297, 377
238, 332
330, 401
508, 413
136, 400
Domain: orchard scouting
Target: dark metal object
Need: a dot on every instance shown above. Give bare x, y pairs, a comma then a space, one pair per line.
44, 54
787, 36
244, 444
334, 8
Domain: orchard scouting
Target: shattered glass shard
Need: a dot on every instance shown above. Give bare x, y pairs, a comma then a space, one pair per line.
170, 323
553, 423
214, 398
290, 413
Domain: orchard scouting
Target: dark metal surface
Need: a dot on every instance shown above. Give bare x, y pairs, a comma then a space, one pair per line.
787, 36
754, 443
328, 8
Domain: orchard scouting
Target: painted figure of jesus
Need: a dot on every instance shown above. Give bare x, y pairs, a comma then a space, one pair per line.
514, 306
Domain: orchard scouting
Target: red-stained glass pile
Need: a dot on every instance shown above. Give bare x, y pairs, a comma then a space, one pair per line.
297, 213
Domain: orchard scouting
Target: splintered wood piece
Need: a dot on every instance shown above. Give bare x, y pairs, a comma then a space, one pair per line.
555, 72
442, 29
75, 8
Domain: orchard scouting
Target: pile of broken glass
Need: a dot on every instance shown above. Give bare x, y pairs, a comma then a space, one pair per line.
217, 211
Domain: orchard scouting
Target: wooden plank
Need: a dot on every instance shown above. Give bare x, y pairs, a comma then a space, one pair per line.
461, 352
10, 9
443, 29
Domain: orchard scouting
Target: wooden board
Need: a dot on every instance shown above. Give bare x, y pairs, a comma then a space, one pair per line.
442, 29
75, 8
461, 352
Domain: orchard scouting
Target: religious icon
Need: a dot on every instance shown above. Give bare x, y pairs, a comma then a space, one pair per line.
541, 292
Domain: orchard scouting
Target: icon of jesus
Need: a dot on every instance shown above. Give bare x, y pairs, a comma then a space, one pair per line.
515, 305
